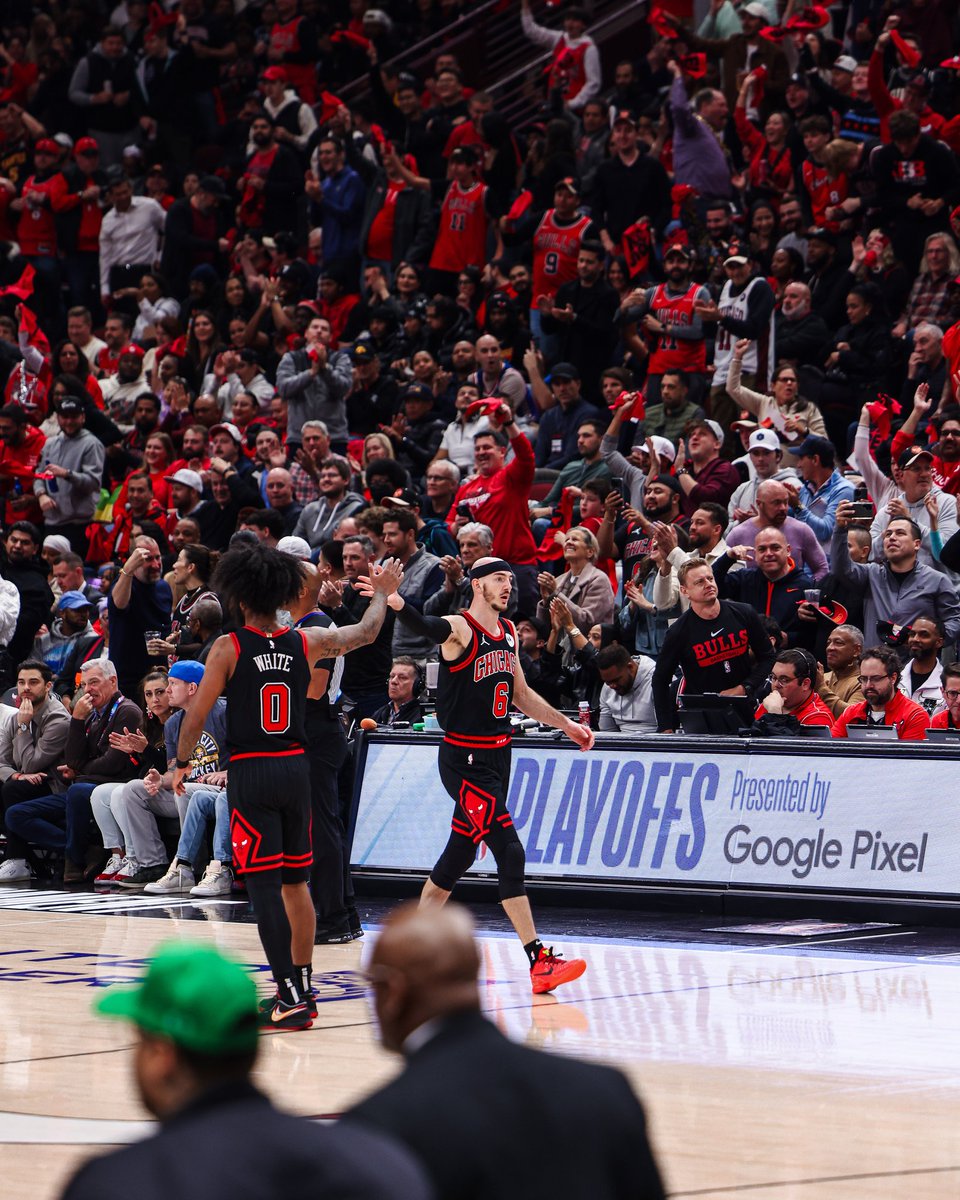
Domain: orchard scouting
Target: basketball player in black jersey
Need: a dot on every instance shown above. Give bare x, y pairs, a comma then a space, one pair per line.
480, 681
265, 673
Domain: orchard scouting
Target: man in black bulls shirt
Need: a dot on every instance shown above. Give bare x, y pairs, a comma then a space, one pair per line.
711, 643
265, 673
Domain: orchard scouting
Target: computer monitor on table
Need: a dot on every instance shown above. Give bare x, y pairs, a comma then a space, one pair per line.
943, 735
711, 713
872, 733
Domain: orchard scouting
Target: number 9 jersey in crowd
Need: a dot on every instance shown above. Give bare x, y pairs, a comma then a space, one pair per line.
475, 691
267, 694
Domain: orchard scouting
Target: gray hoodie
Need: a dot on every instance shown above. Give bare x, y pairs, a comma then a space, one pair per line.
320, 518
320, 397
76, 496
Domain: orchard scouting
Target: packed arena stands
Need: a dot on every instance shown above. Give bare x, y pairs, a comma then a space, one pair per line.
662, 307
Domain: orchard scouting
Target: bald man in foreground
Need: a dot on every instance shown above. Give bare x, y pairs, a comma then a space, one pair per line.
483, 1114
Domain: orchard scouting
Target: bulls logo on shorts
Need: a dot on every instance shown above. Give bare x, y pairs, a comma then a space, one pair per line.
247, 846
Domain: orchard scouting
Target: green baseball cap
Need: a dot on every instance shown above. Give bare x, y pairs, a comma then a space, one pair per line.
193, 996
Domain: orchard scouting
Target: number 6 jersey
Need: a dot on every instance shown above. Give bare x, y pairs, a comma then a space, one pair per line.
475, 691
267, 694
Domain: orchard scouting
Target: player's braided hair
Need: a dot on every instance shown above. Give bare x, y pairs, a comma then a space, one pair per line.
260, 579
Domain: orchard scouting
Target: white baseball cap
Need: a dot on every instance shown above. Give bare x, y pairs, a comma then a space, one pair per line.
846, 62
664, 447
717, 429
297, 547
229, 428
763, 439
188, 478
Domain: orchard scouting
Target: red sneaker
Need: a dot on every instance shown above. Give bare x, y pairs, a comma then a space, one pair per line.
111, 869
550, 970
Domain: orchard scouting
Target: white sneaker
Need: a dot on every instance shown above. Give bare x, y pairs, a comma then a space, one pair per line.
179, 878
130, 866
111, 870
217, 880
17, 870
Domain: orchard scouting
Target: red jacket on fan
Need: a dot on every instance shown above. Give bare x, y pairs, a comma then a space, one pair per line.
500, 501
19, 463
823, 192
36, 229
812, 712
769, 169
910, 719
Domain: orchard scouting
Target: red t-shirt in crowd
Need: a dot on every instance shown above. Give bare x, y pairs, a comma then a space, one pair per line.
20, 462
380, 238
36, 229
500, 501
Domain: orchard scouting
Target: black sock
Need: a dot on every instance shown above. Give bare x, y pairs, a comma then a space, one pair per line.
288, 989
306, 979
264, 891
533, 950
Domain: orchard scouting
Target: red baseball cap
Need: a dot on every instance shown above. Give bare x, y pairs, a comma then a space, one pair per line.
86, 145
132, 348
272, 73
46, 146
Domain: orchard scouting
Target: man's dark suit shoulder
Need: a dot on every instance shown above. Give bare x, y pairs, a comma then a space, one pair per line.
485, 1115
242, 1148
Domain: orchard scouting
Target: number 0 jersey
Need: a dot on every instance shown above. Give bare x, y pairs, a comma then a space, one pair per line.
267, 694
475, 691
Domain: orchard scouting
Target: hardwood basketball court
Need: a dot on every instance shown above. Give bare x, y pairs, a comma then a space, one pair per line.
791, 1065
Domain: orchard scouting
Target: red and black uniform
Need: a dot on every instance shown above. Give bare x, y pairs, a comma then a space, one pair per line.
462, 234
671, 353
567, 69
823, 193
556, 248
474, 696
633, 545
267, 738
297, 42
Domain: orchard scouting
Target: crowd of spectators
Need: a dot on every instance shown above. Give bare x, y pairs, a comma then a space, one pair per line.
684, 350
